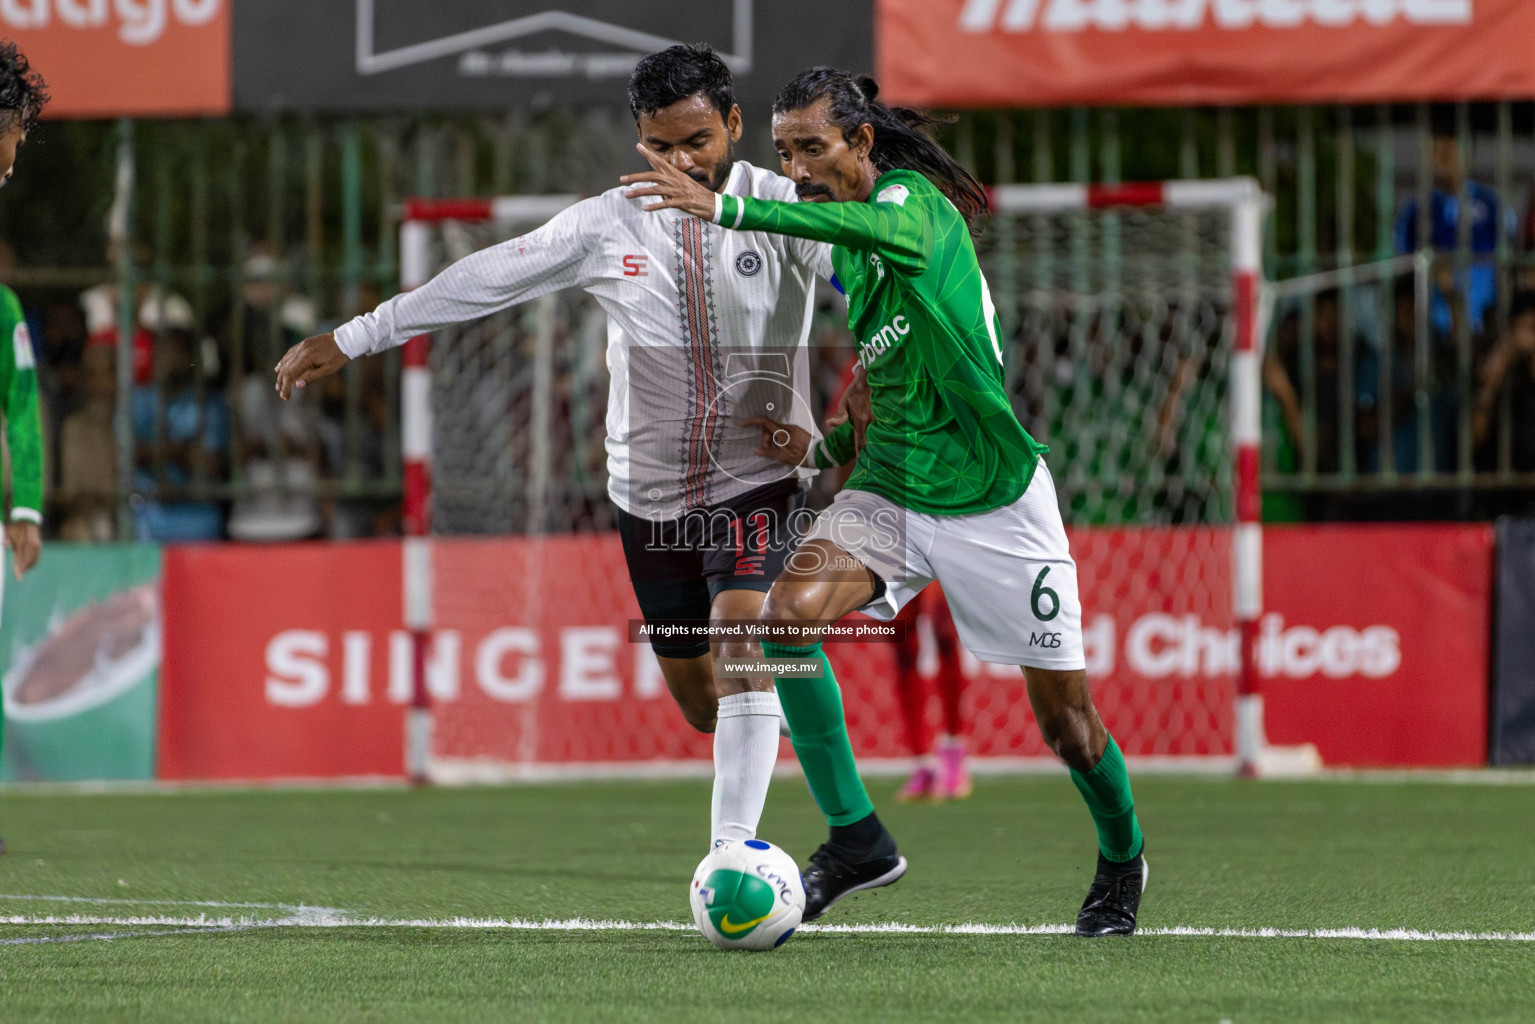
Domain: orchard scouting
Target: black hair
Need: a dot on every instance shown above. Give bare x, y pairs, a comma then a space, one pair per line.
899, 141
676, 73
23, 93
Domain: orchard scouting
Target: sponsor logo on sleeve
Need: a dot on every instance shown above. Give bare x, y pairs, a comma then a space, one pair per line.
22, 342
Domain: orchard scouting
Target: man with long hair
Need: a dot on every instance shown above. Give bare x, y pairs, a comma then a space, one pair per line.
949, 486
22, 97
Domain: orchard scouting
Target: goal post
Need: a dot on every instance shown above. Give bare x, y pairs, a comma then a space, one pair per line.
417, 266
1128, 311
1245, 206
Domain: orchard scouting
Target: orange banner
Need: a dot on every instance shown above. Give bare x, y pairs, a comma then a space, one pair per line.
1016, 53
125, 58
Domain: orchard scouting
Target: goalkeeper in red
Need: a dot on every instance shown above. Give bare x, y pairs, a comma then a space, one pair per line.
948, 486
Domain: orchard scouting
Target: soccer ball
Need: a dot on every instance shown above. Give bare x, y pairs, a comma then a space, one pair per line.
747, 895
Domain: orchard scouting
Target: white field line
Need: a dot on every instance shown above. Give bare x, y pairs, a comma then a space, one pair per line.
49, 940
452, 772
4, 897
320, 918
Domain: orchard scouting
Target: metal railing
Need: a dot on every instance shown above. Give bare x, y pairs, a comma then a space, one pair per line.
268, 228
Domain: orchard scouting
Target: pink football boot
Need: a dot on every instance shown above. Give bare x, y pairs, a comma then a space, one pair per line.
953, 776
923, 784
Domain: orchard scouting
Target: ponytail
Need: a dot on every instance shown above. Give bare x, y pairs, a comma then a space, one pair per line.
900, 139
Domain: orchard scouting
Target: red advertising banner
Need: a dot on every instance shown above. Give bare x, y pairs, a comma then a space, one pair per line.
278, 662
126, 58
291, 662
1016, 53
1377, 642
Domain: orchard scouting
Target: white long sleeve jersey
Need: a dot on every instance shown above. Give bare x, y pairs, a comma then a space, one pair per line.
705, 327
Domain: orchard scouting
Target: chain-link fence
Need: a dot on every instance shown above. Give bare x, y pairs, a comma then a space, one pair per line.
197, 251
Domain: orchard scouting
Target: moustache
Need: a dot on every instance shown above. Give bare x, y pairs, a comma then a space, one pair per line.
698, 176
806, 191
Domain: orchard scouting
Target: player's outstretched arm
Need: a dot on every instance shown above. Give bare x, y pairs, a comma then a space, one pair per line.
897, 229
310, 360
544, 260
23, 434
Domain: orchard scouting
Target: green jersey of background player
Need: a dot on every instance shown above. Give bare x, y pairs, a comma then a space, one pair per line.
945, 449
22, 96
23, 436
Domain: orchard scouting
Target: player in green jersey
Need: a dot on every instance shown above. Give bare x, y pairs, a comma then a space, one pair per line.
949, 486
22, 96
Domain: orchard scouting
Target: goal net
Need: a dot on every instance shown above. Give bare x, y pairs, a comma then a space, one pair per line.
1130, 348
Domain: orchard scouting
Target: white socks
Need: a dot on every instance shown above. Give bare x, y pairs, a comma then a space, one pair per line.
745, 751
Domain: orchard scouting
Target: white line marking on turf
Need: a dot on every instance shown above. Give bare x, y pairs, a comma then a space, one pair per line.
155, 903
314, 917
41, 940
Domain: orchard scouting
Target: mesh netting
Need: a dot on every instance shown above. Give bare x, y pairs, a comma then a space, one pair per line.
1122, 336
1120, 340
1121, 348
518, 401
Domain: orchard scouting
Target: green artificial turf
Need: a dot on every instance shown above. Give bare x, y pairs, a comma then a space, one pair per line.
1224, 855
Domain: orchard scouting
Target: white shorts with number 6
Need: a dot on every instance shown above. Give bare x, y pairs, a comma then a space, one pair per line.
1008, 574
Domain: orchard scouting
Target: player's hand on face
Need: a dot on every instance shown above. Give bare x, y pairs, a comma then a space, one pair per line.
857, 405
25, 540
676, 190
308, 361
782, 441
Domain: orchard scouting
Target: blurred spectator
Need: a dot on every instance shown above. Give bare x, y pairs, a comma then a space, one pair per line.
352, 446
181, 431
351, 436
1443, 406
1488, 217
156, 308
1510, 365
87, 492
278, 501
1527, 235
1282, 377
61, 359
280, 466
276, 317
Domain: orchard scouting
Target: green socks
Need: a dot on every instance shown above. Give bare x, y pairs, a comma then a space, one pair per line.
1107, 791
819, 734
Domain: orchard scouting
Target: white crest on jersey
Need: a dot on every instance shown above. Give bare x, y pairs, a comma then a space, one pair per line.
22, 343
893, 194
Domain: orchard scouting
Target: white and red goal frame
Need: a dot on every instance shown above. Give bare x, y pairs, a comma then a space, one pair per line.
1246, 206
417, 218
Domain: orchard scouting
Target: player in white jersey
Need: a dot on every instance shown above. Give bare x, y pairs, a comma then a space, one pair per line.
706, 329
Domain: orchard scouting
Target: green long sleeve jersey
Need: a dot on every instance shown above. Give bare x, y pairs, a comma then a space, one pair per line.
944, 439
23, 428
